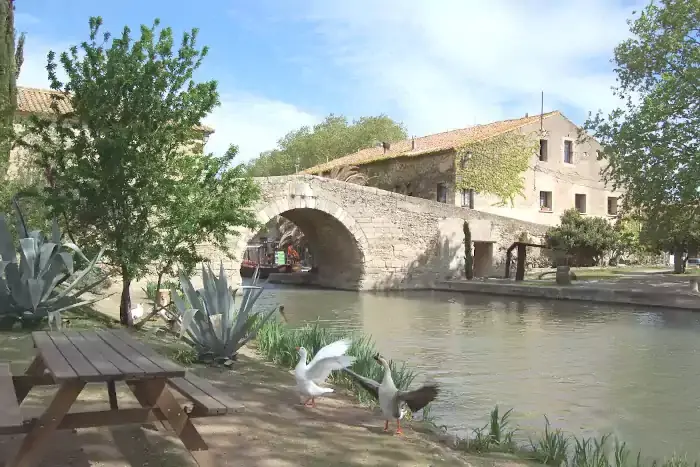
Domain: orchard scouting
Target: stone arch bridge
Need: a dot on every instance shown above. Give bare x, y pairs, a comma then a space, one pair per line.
364, 238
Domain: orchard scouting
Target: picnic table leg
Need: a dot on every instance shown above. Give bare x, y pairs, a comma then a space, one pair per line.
158, 394
36, 368
112, 394
142, 397
36, 441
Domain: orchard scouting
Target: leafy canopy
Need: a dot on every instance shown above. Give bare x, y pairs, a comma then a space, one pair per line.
333, 138
125, 166
585, 239
651, 140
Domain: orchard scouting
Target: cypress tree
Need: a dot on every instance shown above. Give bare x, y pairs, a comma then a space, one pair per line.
468, 257
11, 59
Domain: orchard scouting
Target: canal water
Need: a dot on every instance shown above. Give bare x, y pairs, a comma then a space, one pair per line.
592, 369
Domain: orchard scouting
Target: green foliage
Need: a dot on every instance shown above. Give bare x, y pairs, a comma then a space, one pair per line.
123, 164
209, 317
333, 138
496, 165
552, 448
33, 286
675, 229
651, 141
495, 436
585, 239
11, 58
556, 448
277, 343
468, 255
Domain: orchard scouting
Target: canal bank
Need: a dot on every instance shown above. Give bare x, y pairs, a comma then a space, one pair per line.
670, 296
643, 289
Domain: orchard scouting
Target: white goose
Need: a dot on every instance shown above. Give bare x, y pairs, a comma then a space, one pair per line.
392, 401
329, 358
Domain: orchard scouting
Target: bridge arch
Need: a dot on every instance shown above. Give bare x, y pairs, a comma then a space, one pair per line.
336, 240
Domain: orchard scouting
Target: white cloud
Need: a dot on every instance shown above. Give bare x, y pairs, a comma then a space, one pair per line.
450, 63
252, 122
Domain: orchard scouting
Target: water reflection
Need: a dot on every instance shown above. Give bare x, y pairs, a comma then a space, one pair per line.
590, 368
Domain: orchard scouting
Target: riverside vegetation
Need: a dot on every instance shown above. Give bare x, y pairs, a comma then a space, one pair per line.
276, 342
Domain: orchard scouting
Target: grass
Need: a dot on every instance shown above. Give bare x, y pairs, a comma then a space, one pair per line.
556, 448
277, 342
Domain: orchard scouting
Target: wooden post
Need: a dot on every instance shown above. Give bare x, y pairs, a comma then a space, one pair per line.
509, 259
520, 271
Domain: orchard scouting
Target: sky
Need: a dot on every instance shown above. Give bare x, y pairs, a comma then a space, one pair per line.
432, 65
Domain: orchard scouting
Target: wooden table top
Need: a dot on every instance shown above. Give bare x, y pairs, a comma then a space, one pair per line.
102, 355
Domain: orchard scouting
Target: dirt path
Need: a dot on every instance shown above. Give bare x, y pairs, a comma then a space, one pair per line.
272, 431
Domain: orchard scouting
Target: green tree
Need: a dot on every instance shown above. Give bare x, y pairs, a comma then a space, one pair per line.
585, 239
123, 164
675, 229
651, 141
333, 138
468, 255
11, 58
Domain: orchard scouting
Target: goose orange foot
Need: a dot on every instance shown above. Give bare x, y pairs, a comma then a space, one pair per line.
399, 431
310, 403
386, 426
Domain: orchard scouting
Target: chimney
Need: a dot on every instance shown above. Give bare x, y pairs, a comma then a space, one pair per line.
386, 146
413, 143
527, 114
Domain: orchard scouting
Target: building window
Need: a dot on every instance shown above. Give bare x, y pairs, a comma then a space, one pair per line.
397, 189
612, 205
569, 151
546, 201
580, 202
441, 193
468, 198
409, 192
543, 150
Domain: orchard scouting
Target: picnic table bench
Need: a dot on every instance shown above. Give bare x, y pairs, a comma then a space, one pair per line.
73, 358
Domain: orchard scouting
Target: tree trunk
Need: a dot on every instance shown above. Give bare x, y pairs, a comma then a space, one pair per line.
678, 261
125, 303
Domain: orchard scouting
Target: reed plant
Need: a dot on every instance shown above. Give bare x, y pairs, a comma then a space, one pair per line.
277, 342
556, 448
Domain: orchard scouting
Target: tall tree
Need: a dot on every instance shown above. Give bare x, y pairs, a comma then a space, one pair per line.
334, 137
652, 140
11, 59
121, 162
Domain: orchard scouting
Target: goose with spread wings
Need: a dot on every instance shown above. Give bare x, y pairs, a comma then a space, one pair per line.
329, 358
392, 401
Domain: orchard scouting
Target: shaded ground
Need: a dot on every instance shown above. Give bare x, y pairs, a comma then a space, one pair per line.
272, 431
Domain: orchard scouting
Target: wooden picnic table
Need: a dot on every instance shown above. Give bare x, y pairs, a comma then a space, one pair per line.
73, 358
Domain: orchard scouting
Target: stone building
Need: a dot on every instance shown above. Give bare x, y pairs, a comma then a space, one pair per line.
564, 174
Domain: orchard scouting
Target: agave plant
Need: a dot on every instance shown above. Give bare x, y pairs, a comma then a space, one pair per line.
34, 283
209, 320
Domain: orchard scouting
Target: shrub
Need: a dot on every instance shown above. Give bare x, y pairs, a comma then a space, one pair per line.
585, 239
209, 319
37, 279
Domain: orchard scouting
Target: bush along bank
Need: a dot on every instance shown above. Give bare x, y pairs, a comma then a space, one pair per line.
277, 342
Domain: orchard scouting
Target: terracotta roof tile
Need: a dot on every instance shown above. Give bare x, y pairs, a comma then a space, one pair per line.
428, 144
38, 101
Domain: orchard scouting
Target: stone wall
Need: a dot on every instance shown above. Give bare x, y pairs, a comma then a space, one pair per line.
415, 176
367, 238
